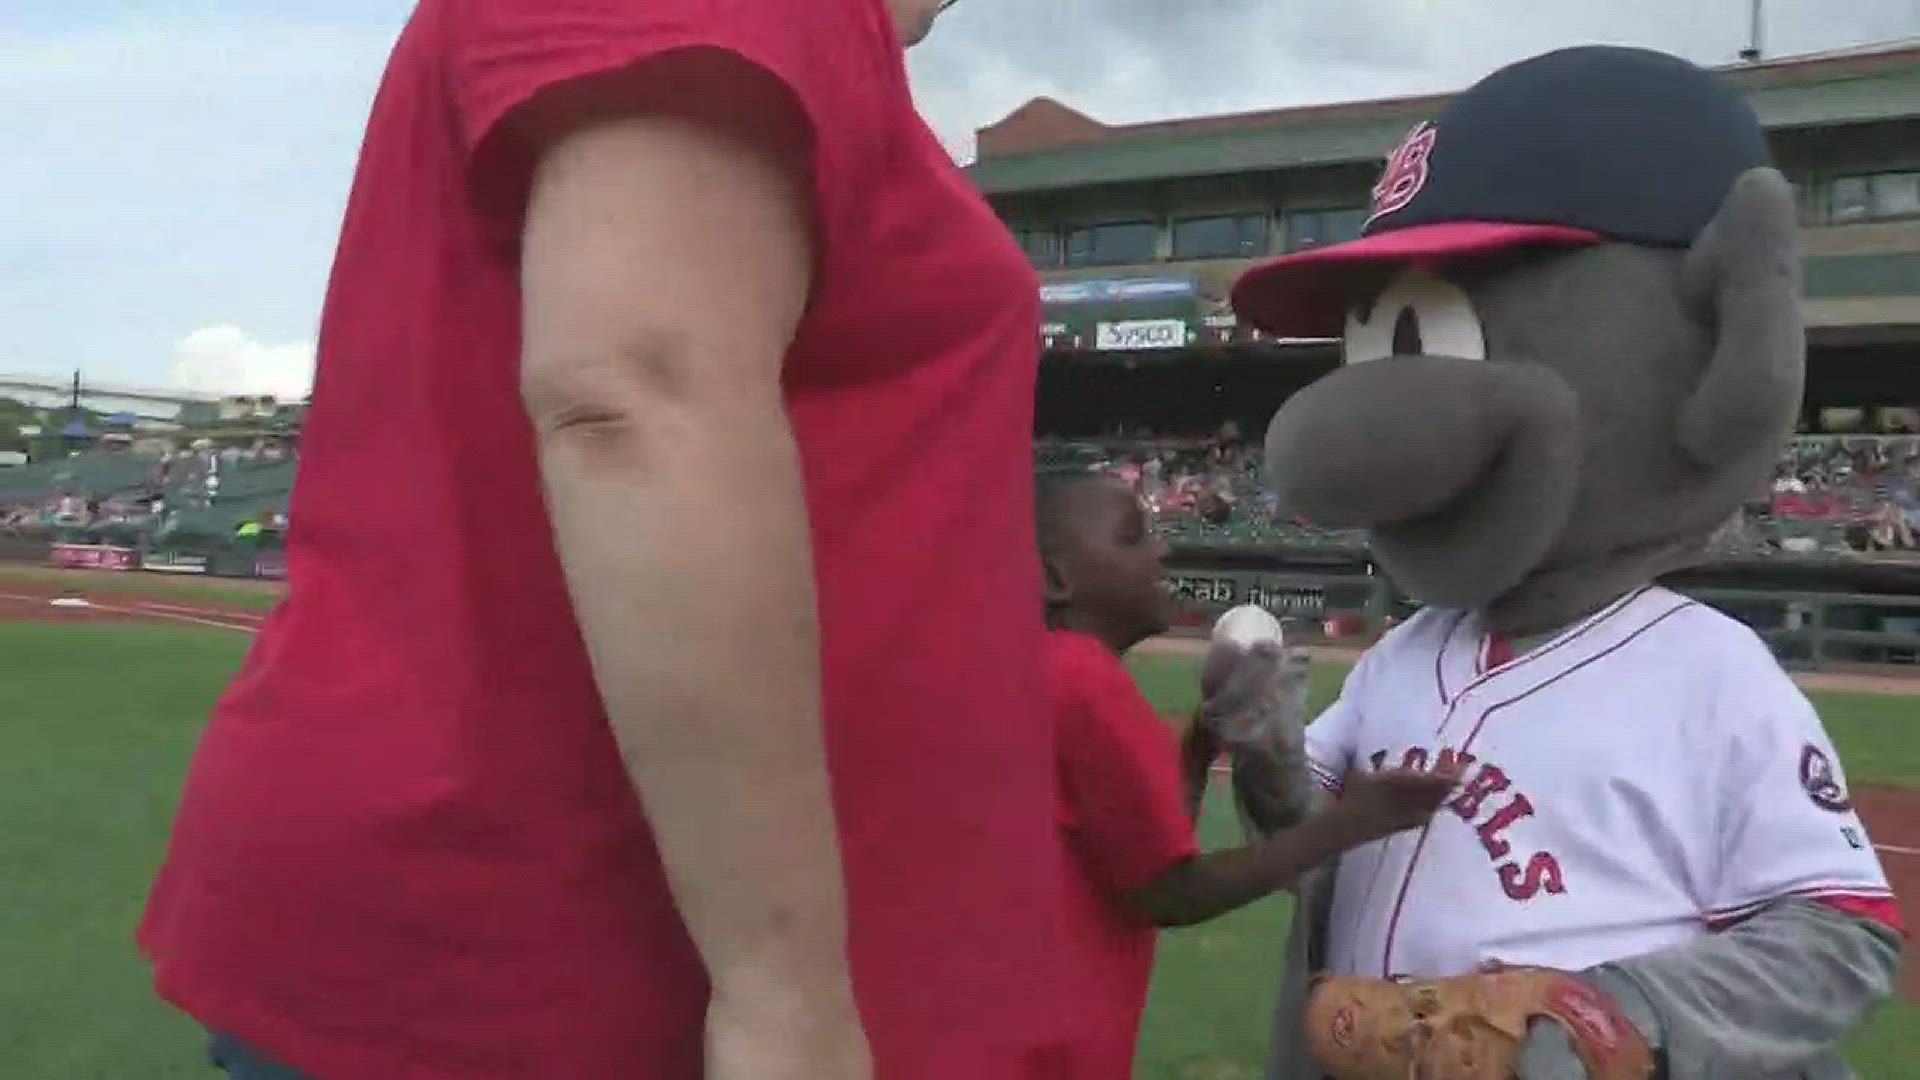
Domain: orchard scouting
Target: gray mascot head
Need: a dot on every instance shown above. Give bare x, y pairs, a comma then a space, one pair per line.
1572, 338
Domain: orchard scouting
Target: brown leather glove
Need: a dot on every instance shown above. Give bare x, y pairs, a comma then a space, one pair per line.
1466, 1028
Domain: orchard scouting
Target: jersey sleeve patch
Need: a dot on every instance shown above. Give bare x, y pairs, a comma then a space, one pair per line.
1787, 827
1821, 781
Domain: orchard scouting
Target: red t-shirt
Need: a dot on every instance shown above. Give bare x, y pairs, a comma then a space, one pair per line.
1123, 822
407, 847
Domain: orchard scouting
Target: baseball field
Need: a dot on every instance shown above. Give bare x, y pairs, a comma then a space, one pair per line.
99, 709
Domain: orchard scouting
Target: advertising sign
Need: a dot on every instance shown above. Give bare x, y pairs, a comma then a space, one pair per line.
93, 557
1224, 589
1134, 334
171, 562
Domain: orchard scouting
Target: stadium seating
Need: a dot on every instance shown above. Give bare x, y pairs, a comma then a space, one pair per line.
1832, 496
1835, 496
108, 496
88, 476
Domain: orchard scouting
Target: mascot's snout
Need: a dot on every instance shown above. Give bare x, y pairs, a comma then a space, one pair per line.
1440, 426
1465, 467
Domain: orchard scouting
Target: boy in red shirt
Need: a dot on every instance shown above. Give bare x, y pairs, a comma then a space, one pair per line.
1132, 861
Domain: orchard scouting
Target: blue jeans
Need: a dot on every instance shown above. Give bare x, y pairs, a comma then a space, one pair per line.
242, 1062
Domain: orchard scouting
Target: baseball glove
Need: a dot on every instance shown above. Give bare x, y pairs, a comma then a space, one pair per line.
1467, 1028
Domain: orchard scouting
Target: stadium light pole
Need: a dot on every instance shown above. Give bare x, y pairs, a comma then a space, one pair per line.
1756, 13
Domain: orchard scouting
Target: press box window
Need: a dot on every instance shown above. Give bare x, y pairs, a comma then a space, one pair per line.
1108, 245
1876, 197
1041, 245
1809, 201
1234, 236
1318, 228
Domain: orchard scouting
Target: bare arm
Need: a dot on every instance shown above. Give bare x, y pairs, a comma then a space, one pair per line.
1207, 886
667, 257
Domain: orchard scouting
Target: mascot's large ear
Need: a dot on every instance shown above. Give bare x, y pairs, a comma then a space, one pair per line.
1742, 278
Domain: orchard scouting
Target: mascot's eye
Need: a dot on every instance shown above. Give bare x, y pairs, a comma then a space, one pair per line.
1417, 314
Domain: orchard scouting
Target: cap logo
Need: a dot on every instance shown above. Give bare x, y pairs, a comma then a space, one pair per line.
1406, 172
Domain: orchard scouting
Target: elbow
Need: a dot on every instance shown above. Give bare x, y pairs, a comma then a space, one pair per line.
1870, 942
598, 407
1883, 946
636, 407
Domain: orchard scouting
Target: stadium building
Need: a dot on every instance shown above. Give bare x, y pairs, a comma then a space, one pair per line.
1139, 231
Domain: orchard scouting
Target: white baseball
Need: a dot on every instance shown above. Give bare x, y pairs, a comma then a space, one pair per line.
1246, 626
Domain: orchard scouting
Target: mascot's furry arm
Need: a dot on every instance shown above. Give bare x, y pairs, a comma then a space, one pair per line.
1770, 997
1253, 707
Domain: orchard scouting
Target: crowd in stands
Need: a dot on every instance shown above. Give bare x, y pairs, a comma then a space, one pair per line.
1831, 495
122, 496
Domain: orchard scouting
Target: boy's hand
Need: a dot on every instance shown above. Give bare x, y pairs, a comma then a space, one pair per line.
1375, 805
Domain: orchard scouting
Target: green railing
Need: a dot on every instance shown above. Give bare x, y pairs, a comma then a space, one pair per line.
1805, 629
1819, 629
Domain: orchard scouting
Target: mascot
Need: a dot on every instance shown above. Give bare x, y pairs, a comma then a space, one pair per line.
1572, 347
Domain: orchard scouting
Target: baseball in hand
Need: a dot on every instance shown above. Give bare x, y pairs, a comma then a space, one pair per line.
1246, 626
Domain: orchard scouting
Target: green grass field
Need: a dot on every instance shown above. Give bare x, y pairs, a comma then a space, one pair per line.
251, 595
95, 731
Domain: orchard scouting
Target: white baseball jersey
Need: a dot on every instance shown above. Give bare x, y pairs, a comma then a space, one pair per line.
1646, 776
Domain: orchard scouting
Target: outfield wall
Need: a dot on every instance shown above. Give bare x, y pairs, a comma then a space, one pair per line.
1813, 613
229, 560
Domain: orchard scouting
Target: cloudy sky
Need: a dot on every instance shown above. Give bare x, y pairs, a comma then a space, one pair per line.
177, 169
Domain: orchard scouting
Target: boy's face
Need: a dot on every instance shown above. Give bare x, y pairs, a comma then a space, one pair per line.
1112, 565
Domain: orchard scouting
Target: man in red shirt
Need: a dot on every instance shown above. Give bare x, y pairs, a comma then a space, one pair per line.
604, 259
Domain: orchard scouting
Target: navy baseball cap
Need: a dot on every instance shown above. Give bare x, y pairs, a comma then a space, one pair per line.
1574, 147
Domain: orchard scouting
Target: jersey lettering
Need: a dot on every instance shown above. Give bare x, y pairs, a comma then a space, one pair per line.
1490, 829
1491, 780
1478, 803
1542, 872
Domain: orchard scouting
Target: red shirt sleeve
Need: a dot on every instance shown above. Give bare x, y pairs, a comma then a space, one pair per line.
825, 55
1119, 770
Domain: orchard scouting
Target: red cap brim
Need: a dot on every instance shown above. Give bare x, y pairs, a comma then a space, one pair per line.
1306, 294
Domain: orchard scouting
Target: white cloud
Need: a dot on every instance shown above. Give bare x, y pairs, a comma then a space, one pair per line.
228, 360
